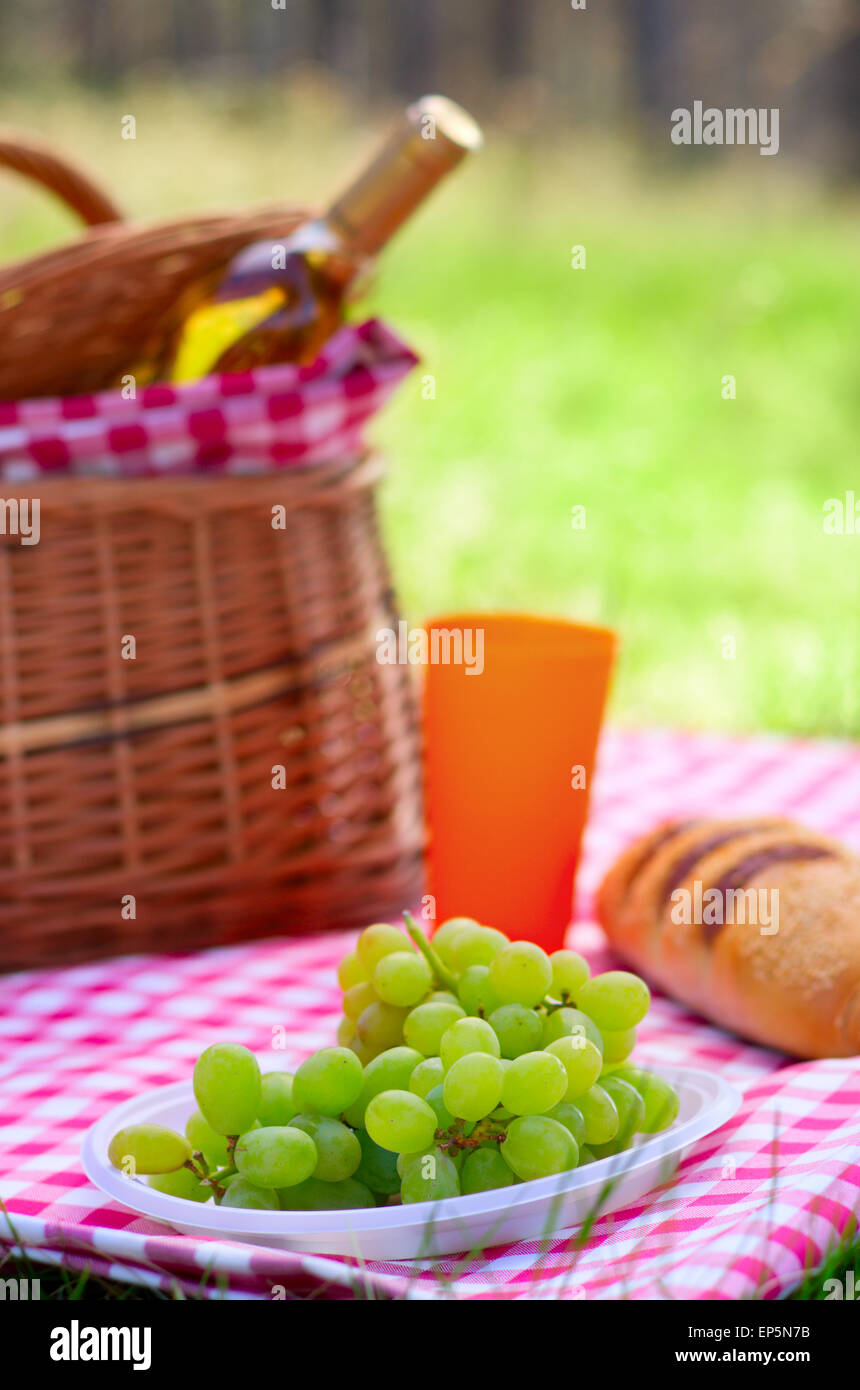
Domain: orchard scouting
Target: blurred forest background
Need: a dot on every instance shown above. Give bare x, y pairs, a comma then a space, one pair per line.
629, 60
552, 387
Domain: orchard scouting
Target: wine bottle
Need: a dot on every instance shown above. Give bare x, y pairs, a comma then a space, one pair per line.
279, 303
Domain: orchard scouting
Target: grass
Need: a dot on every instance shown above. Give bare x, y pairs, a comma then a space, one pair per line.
599, 387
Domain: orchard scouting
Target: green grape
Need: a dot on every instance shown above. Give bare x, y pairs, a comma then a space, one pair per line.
436, 1100
521, 974
402, 978
378, 941
313, 1195
227, 1087
250, 1196
141, 1149
426, 1075
569, 973
346, 1032
586, 1155
518, 1029
276, 1098
429, 1178
630, 1107
181, 1183
533, 1084
278, 1156
389, 1071
465, 1036
327, 1081
617, 1045
442, 996
401, 1122
380, 1027
203, 1139
357, 999
473, 1086
378, 1167
662, 1101
425, 1025
537, 1147
403, 1161
351, 972
571, 1117
483, 1170
571, 1023
455, 1154
474, 946
600, 1116
364, 1053
581, 1060
444, 935
338, 1149
609, 1150
476, 993
617, 999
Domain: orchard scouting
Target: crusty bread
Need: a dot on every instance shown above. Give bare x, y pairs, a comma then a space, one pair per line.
673, 904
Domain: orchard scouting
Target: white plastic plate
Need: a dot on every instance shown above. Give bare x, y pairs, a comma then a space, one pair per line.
528, 1211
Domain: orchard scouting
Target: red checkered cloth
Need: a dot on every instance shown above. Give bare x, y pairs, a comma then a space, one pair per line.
244, 422
751, 1210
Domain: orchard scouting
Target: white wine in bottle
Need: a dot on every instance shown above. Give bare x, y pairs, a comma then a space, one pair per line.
279, 303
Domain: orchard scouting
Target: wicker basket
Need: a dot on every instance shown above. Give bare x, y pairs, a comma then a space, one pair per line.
78, 317
141, 803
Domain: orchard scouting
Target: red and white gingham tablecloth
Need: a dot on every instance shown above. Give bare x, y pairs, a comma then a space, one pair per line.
754, 1206
239, 422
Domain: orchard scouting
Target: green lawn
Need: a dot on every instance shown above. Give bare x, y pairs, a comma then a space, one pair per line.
597, 387
602, 387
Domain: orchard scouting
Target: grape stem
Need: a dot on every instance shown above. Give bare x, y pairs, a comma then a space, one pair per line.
194, 1164
216, 1180
551, 1006
486, 1131
442, 976
222, 1174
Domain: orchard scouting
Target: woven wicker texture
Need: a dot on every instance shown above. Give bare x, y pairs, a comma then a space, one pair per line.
153, 776
77, 318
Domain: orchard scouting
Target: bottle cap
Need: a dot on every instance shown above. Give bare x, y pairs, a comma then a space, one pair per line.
434, 135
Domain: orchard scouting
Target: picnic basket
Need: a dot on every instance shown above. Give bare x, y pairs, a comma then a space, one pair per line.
252, 769
77, 317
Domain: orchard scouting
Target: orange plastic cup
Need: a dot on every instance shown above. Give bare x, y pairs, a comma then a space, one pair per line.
510, 734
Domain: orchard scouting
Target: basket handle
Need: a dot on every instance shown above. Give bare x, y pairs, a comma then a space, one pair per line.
33, 159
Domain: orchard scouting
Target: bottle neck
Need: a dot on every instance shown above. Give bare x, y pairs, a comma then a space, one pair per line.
431, 140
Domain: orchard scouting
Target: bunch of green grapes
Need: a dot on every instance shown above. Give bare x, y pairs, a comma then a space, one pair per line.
463, 1064
260, 1142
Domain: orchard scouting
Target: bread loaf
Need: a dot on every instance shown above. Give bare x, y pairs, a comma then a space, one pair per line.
753, 923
